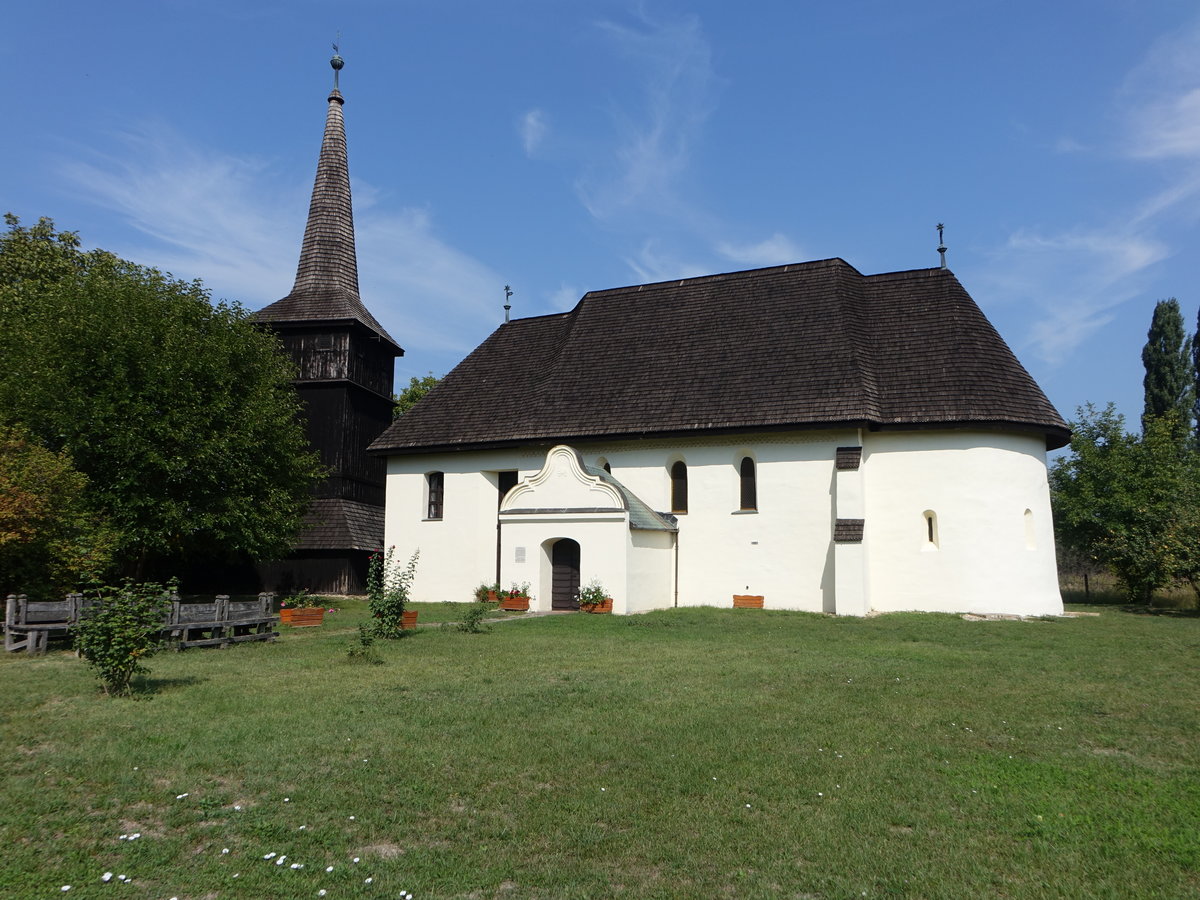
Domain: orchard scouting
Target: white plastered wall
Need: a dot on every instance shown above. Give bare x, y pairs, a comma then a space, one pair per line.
458, 552
783, 550
979, 484
989, 557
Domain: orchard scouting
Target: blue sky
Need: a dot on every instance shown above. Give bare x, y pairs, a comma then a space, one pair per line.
562, 146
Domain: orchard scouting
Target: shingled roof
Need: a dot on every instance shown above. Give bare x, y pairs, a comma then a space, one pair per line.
811, 345
326, 288
335, 523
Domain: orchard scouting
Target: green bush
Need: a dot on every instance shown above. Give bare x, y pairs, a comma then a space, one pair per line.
388, 587
363, 650
121, 629
472, 620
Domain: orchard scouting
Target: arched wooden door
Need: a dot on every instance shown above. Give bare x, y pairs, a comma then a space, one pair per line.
564, 562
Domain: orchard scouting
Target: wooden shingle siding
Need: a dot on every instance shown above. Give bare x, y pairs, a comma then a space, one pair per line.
848, 531
848, 458
817, 345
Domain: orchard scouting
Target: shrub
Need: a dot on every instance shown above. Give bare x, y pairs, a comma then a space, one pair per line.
472, 620
121, 629
387, 590
364, 652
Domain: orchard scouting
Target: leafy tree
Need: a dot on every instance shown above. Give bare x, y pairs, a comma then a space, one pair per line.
179, 411
50, 538
417, 388
1130, 503
1168, 383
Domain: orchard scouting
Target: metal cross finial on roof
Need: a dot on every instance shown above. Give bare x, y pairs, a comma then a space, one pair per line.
941, 244
508, 292
337, 62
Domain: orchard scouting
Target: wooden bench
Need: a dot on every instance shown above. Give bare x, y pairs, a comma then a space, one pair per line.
28, 624
250, 620
220, 623
195, 624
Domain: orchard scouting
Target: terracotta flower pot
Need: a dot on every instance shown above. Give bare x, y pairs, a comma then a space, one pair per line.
303, 618
408, 619
604, 606
515, 604
747, 601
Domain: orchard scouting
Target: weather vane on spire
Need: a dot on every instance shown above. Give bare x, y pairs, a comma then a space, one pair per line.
508, 292
941, 244
337, 62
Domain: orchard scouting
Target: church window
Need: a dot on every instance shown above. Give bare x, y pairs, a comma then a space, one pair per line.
324, 341
931, 530
435, 488
749, 484
679, 487
1030, 538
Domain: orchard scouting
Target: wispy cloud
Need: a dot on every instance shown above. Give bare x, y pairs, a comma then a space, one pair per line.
654, 263
655, 135
1077, 280
533, 127
1160, 98
237, 223
205, 214
564, 298
775, 250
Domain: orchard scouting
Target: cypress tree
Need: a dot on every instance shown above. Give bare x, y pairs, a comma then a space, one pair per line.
1167, 357
1196, 378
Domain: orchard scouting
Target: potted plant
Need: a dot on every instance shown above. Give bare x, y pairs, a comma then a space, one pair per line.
516, 598
487, 593
388, 587
594, 599
302, 609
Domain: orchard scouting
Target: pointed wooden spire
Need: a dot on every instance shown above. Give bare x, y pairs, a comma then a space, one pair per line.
326, 285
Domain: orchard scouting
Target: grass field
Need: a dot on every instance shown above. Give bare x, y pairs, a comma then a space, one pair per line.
692, 753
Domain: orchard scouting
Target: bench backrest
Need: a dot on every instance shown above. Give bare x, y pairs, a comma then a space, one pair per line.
189, 613
249, 610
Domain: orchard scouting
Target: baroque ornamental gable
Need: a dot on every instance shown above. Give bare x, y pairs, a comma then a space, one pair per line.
563, 485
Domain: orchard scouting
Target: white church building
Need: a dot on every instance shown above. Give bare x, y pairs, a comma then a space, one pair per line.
826, 440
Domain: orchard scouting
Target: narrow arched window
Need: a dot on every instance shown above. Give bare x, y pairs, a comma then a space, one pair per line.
749, 484
435, 489
679, 498
931, 530
1030, 535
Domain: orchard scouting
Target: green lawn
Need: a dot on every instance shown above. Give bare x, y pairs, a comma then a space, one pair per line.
691, 753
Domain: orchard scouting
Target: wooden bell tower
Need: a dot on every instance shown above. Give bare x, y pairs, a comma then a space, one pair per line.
345, 362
